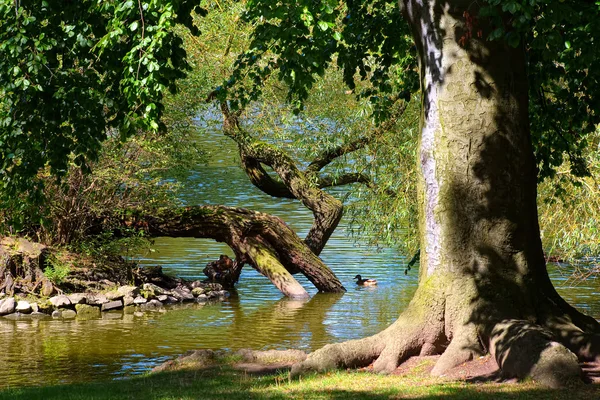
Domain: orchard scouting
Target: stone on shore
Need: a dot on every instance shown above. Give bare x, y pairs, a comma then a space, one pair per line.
7, 306
78, 298
182, 294
197, 291
86, 311
202, 298
152, 305
112, 305
139, 300
60, 301
130, 291
23, 307
162, 298
128, 300
47, 288
152, 290
114, 295
67, 314
97, 299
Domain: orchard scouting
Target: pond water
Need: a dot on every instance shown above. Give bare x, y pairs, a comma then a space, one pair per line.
36, 352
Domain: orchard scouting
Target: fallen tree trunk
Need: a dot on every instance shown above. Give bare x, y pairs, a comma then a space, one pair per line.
261, 240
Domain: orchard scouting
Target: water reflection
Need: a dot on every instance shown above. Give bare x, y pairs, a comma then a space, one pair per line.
34, 352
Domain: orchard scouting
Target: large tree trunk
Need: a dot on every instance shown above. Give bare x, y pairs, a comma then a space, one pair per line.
483, 284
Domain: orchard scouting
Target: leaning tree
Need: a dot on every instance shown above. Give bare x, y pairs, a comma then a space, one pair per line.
493, 76
498, 80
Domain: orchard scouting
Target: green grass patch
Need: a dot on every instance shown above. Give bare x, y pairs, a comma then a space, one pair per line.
224, 382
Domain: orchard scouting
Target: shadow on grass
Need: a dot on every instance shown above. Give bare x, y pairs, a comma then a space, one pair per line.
226, 383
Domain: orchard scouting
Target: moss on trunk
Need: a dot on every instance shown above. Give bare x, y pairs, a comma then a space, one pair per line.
483, 284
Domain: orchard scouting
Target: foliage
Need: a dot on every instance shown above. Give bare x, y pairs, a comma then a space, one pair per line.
57, 270
569, 219
73, 73
297, 41
128, 177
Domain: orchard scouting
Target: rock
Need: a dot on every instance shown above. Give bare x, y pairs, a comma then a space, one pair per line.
197, 291
171, 300
35, 308
114, 295
152, 305
23, 307
67, 314
222, 293
213, 286
128, 300
96, 299
60, 301
182, 294
56, 314
45, 306
162, 298
153, 290
131, 291
87, 311
47, 288
13, 316
197, 284
202, 298
78, 298
7, 306
139, 300
39, 315
112, 305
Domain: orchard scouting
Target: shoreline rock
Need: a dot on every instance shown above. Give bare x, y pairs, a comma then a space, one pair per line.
91, 305
113, 285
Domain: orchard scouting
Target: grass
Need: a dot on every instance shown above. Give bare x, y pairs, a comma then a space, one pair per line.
224, 382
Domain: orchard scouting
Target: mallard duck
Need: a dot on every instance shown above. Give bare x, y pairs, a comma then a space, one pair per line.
365, 282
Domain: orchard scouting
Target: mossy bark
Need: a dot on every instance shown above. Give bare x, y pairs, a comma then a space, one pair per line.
483, 284
261, 240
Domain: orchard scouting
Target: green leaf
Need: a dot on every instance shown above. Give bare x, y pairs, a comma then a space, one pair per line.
323, 25
134, 26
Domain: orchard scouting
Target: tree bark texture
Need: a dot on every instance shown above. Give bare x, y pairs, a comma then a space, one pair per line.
483, 284
261, 240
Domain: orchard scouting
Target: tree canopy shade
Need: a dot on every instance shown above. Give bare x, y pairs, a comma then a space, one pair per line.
497, 80
370, 40
73, 72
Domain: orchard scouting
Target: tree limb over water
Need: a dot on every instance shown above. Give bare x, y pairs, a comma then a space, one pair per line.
260, 240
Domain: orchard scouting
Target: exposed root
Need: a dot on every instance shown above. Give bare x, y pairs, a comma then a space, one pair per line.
465, 346
524, 350
584, 344
351, 354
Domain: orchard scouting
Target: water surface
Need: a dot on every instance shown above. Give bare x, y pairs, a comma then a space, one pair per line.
36, 352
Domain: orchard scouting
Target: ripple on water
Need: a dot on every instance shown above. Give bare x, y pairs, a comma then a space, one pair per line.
35, 352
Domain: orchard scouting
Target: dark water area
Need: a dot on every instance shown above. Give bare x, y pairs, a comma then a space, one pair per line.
41, 352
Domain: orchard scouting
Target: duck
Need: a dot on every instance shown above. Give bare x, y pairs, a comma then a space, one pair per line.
365, 282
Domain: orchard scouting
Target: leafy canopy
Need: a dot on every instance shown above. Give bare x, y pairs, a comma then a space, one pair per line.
74, 72
297, 40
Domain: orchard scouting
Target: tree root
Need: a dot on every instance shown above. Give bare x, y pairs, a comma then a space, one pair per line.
464, 346
351, 354
523, 349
